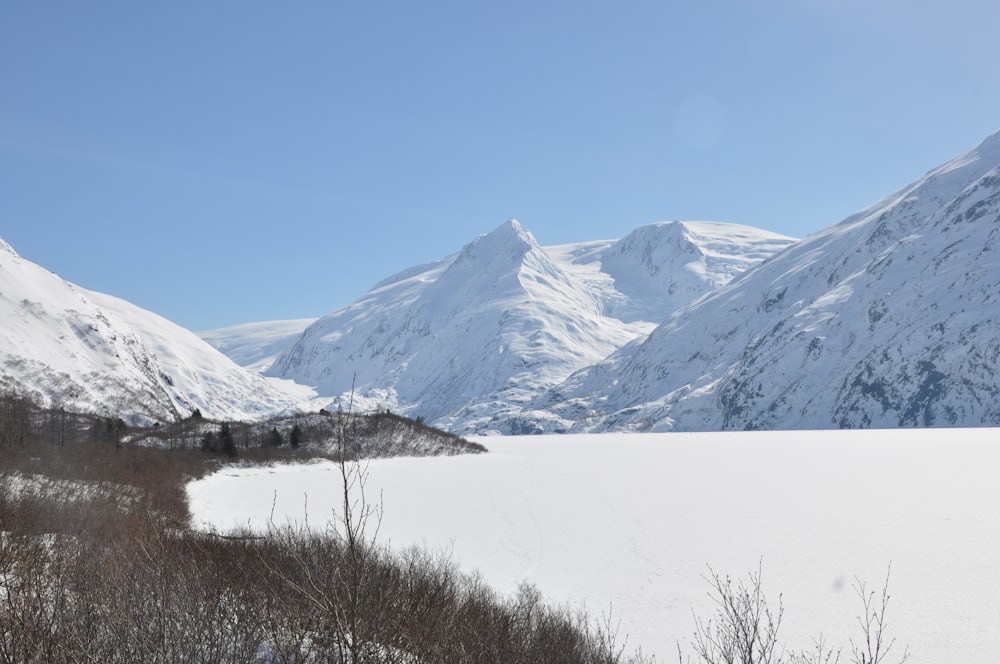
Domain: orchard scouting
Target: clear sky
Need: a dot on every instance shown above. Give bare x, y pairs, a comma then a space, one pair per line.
227, 162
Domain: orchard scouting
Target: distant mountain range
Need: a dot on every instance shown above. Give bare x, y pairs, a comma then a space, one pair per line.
886, 319
469, 341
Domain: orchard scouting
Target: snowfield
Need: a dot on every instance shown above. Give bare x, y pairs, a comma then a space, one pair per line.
629, 522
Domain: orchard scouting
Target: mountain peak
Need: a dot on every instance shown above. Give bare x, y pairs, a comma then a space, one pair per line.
987, 152
509, 233
512, 224
505, 245
665, 265
991, 142
6, 248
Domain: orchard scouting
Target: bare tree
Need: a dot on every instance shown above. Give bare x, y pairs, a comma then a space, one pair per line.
358, 526
875, 647
332, 570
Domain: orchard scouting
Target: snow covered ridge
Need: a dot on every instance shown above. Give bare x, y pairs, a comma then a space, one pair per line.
68, 347
887, 319
468, 341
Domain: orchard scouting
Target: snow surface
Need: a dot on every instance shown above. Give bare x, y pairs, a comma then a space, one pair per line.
630, 522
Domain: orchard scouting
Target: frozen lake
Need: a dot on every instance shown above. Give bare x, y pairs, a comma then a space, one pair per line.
631, 522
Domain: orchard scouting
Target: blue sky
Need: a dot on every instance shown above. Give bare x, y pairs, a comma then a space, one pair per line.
227, 162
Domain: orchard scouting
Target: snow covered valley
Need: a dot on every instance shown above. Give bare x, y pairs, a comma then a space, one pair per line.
630, 523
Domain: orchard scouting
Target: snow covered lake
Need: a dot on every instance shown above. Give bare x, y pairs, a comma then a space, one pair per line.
631, 522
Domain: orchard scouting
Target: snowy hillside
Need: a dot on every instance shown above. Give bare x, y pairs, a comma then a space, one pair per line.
256, 346
467, 341
887, 319
87, 351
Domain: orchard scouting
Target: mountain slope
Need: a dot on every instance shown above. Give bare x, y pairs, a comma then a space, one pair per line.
468, 341
887, 319
88, 351
256, 346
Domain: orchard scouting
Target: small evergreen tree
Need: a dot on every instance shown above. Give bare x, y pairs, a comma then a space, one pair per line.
113, 429
226, 441
296, 436
275, 439
209, 443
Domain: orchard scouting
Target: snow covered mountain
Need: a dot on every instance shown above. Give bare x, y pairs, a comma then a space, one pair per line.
887, 319
256, 346
467, 342
890, 318
70, 347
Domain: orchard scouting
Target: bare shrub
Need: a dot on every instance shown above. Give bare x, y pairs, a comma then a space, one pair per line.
744, 628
